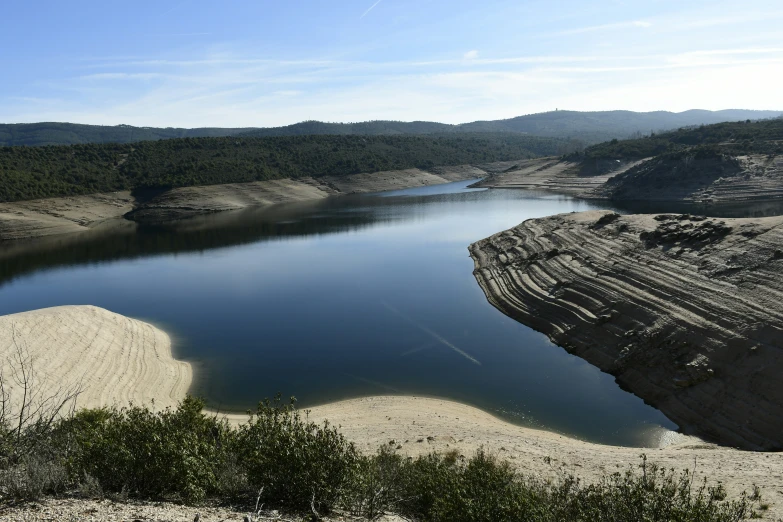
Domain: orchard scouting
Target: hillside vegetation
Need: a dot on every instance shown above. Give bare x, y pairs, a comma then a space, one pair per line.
732, 138
40, 172
590, 127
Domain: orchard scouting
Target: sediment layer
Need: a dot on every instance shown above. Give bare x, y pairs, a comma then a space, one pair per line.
551, 175
686, 312
687, 178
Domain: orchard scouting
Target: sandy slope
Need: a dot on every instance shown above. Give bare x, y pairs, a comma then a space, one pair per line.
115, 359
192, 201
46, 217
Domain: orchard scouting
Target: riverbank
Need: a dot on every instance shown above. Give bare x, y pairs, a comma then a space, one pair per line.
684, 311
60, 216
125, 361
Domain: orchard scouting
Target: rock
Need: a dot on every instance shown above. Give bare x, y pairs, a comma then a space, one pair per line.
685, 311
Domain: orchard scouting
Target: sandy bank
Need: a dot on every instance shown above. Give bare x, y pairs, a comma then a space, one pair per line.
55, 216
420, 425
685, 312
115, 360
192, 201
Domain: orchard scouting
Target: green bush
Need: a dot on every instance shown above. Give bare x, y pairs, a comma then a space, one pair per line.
299, 464
303, 467
171, 453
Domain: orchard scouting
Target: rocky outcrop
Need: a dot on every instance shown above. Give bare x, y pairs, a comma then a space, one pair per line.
697, 177
686, 312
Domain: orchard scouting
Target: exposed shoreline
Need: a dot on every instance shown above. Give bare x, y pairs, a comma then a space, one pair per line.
752, 178
684, 311
70, 215
417, 425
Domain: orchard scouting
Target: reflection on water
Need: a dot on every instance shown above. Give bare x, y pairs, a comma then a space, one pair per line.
351, 296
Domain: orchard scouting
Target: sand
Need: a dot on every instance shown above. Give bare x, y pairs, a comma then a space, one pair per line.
124, 360
113, 359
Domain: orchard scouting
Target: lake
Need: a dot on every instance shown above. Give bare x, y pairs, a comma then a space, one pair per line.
340, 298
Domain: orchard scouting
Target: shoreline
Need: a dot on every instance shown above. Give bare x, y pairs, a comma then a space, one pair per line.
68, 216
418, 425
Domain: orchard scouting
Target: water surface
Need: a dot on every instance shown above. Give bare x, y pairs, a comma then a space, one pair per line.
347, 297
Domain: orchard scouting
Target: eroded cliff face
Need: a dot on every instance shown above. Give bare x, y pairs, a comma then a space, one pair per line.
706, 178
686, 312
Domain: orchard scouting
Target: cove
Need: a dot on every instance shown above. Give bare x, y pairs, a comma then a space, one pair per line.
346, 297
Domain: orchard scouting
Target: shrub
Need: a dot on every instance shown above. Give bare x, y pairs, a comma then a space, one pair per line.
299, 465
174, 452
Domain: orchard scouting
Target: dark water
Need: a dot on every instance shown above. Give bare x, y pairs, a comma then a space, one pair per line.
341, 298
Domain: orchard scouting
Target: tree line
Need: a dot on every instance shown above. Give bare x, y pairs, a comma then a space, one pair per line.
40, 172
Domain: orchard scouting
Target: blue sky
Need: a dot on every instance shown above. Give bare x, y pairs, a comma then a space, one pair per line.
235, 63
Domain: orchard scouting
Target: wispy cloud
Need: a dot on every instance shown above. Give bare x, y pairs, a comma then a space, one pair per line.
234, 89
370, 9
608, 27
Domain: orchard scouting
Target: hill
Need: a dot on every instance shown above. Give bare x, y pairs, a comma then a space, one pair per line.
41, 134
590, 127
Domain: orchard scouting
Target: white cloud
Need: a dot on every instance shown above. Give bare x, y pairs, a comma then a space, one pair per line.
471, 55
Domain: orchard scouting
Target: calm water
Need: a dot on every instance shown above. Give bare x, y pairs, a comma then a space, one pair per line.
342, 298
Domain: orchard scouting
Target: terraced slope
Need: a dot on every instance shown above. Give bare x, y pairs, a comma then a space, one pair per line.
686, 312
711, 178
551, 175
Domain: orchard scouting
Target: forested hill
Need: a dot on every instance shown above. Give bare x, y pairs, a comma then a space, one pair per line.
590, 127
40, 172
737, 138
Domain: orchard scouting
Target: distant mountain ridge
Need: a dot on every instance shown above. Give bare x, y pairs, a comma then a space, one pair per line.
589, 127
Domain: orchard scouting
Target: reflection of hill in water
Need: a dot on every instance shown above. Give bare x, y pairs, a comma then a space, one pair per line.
131, 241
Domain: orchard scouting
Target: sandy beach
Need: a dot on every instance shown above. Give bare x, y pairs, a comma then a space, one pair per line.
120, 360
